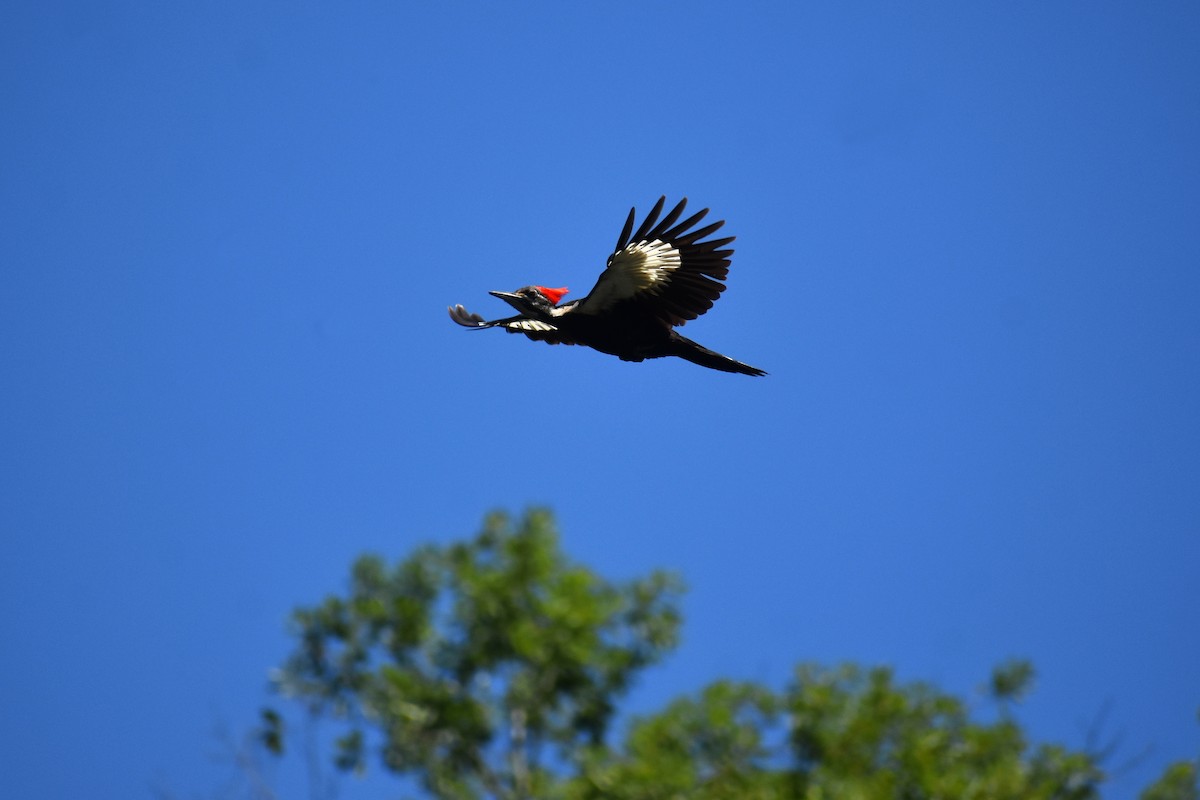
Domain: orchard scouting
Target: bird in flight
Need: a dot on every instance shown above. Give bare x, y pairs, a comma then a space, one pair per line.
658, 278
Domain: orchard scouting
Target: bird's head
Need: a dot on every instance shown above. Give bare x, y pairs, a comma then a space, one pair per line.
533, 300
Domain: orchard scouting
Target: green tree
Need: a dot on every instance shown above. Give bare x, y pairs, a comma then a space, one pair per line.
844, 732
492, 669
1178, 782
480, 664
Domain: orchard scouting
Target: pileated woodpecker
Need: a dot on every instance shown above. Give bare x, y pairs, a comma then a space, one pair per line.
657, 278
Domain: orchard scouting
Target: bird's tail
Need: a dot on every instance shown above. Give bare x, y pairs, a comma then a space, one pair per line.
698, 354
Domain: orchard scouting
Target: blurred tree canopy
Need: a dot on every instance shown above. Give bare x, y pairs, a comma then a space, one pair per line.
492, 668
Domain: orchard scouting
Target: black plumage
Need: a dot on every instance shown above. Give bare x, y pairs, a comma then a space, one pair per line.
657, 278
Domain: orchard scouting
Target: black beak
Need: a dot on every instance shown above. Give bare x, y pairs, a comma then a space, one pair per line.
514, 300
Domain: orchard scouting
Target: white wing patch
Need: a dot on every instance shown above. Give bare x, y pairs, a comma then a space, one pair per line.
529, 325
640, 267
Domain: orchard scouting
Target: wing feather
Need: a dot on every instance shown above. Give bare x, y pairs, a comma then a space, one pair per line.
663, 270
627, 230
538, 331
650, 218
535, 329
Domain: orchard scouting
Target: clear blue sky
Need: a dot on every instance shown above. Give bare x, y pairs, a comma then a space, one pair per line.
968, 254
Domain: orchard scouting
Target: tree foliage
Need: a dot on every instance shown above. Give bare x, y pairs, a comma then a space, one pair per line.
1178, 782
481, 663
843, 732
492, 668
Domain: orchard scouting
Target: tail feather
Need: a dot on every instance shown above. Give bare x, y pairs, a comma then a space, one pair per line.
698, 354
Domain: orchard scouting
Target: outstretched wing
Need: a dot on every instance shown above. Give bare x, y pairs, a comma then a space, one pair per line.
534, 329
663, 270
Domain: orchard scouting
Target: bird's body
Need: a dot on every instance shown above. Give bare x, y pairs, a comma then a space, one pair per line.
656, 279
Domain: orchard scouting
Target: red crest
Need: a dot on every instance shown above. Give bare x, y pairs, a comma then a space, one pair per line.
554, 294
